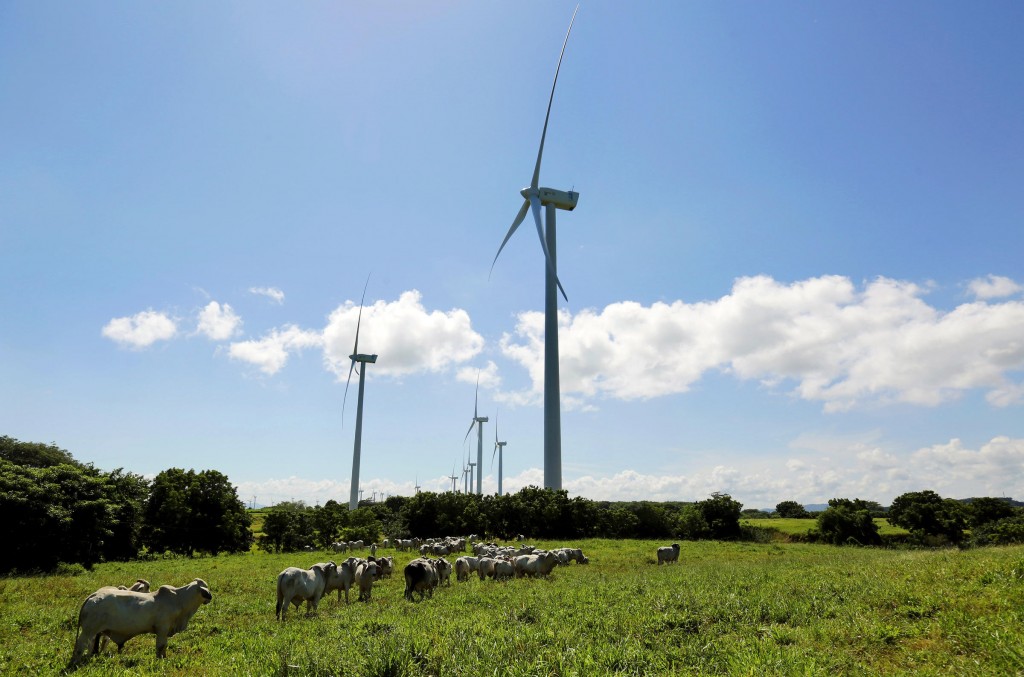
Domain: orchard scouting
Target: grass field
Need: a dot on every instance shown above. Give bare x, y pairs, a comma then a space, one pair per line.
725, 608
799, 527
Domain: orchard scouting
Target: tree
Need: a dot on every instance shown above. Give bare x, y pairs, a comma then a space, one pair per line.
987, 509
928, 516
722, 515
34, 454
845, 522
191, 512
791, 509
56, 509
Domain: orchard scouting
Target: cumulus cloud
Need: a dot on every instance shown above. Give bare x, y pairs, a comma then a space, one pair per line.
407, 336
270, 353
141, 330
993, 287
828, 340
218, 322
272, 293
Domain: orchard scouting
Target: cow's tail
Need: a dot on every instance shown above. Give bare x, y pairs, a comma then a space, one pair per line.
280, 599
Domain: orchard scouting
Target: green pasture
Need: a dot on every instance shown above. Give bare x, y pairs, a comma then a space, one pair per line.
798, 527
725, 608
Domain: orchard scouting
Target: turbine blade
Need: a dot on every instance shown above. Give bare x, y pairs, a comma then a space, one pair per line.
535, 203
359, 321
536, 170
476, 396
469, 431
515, 224
345, 399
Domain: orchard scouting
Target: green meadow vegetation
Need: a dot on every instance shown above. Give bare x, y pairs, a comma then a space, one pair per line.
724, 608
802, 526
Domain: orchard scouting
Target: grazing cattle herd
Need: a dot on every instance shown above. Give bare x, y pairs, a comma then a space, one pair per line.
119, 613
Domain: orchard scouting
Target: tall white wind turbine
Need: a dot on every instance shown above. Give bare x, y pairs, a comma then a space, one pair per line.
453, 477
357, 357
499, 449
552, 199
478, 421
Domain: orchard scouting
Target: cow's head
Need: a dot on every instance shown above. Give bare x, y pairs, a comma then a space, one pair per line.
204, 590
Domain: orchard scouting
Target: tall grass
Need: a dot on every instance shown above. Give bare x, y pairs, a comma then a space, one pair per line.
725, 608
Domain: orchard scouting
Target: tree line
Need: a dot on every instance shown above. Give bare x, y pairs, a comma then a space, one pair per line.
57, 510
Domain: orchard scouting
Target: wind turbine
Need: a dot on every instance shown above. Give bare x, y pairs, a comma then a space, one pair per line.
478, 421
453, 477
551, 199
499, 449
356, 356
417, 484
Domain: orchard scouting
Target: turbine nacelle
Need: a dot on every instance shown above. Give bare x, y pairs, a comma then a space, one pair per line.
561, 199
370, 359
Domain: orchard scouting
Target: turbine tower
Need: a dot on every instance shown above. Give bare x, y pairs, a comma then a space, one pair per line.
552, 199
499, 449
478, 421
356, 356
453, 477
417, 484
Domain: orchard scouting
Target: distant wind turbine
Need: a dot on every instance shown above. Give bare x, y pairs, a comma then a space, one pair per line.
417, 484
453, 477
551, 199
356, 356
478, 421
499, 449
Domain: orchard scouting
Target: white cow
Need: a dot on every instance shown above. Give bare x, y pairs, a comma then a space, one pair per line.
387, 565
366, 574
341, 577
485, 567
668, 554
535, 565
464, 566
296, 585
444, 571
123, 614
503, 568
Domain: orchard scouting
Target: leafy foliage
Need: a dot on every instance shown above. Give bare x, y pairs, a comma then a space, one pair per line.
189, 512
847, 522
929, 517
791, 510
58, 510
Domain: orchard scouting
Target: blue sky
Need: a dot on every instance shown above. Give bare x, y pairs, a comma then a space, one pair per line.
794, 271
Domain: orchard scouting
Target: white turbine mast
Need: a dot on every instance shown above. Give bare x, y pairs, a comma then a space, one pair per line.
478, 421
453, 477
552, 200
357, 357
499, 449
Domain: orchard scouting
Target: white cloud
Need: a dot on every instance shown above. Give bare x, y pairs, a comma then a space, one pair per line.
218, 322
407, 336
488, 375
270, 353
272, 293
993, 287
838, 345
141, 330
